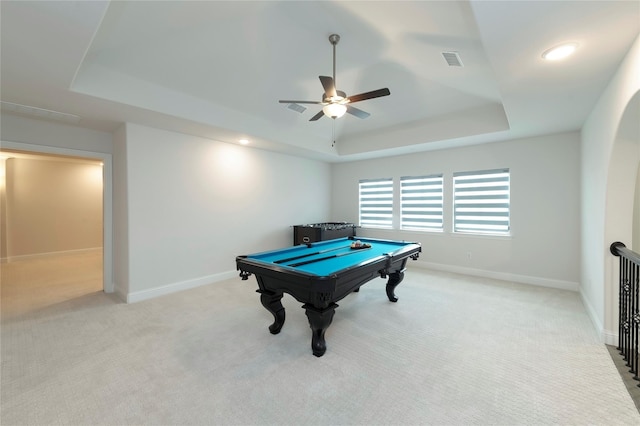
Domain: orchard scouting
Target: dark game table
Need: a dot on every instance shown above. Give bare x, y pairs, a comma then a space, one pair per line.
320, 274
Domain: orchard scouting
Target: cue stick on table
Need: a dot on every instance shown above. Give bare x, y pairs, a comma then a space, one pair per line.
306, 262
310, 254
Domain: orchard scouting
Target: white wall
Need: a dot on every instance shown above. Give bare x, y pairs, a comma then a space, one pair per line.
195, 204
184, 207
40, 132
26, 134
52, 206
120, 213
635, 239
545, 200
598, 141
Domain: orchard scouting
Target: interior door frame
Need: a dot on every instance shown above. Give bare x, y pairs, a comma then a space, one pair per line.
107, 198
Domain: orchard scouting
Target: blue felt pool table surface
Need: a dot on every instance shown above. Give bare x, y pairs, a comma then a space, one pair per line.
335, 255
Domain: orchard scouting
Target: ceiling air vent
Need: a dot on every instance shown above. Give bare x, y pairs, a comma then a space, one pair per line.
39, 112
453, 59
296, 107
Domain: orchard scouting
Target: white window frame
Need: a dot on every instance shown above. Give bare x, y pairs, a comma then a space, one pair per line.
421, 203
481, 202
375, 203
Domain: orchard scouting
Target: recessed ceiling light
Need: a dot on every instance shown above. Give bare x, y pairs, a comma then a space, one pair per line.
243, 141
560, 52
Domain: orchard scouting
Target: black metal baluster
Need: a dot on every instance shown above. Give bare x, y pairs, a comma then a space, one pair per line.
627, 313
634, 277
625, 308
620, 306
637, 316
632, 309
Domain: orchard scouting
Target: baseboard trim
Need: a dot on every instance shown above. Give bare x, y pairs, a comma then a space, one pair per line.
606, 337
138, 296
609, 338
49, 254
503, 276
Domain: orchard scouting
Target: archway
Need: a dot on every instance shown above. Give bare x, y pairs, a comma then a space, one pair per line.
621, 214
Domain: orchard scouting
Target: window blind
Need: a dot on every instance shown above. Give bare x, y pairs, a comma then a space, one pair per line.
376, 203
481, 201
421, 203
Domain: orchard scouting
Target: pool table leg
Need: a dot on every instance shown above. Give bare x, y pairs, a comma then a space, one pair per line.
319, 321
271, 301
395, 278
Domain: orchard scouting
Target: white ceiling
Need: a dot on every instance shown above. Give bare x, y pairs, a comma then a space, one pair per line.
217, 69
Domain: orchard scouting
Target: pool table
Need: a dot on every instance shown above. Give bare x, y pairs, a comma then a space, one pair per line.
321, 273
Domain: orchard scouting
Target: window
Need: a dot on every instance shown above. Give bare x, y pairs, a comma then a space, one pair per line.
421, 203
376, 203
481, 202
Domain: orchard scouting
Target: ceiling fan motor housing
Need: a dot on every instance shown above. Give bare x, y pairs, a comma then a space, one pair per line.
340, 96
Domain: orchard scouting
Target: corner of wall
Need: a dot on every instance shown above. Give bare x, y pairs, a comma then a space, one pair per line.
120, 214
604, 336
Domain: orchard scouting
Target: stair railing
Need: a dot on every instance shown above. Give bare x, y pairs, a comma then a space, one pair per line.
628, 305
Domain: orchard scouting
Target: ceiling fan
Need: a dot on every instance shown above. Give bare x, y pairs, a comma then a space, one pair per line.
335, 102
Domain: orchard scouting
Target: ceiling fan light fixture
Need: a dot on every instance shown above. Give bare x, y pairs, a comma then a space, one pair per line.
334, 110
335, 101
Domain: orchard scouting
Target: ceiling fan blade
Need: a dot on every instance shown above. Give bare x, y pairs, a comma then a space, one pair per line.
329, 86
300, 102
369, 95
317, 116
357, 112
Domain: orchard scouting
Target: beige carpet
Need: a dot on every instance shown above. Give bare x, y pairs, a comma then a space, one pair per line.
454, 350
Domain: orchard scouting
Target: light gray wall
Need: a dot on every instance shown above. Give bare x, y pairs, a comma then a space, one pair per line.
636, 215
185, 207
544, 244
195, 204
40, 136
40, 132
599, 229
120, 213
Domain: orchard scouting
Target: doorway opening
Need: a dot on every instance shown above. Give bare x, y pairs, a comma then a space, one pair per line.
56, 226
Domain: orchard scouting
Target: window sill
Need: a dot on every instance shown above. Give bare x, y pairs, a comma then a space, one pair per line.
440, 233
483, 236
